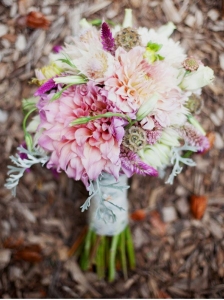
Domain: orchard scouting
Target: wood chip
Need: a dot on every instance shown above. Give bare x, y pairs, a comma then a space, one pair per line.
216, 229
190, 21
24, 211
169, 214
213, 14
170, 11
20, 43
3, 116
183, 206
3, 30
5, 255
221, 60
219, 144
79, 277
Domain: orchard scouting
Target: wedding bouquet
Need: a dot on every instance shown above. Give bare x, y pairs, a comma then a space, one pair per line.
112, 103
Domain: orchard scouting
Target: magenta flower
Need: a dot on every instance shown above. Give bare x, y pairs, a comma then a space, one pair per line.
107, 38
132, 164
24, 155
57, 48
82, 151
47, 86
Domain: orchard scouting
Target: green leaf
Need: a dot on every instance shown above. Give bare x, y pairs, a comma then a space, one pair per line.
159, 57
67, 61
96, 22
154, 47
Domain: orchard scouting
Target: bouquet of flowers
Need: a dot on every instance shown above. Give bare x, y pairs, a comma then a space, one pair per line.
113, 103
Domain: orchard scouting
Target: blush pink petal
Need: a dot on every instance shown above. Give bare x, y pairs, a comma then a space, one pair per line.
81, 135
82, 151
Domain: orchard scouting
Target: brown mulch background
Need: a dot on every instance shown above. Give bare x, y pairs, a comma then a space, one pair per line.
177, 255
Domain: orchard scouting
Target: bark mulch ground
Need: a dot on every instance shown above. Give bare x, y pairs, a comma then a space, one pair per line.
178, 256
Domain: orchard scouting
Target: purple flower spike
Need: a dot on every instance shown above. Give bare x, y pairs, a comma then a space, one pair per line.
57, 48
23, 155
47, 86
194, 138
107, 38
132, 164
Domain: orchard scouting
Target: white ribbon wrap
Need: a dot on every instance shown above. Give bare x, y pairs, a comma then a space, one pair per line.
115, 196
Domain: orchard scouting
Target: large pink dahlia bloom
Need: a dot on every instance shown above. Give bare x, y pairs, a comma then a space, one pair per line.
82, 151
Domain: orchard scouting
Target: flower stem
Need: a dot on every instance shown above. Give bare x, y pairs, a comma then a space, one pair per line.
58, 94
196, 124
85, 257
123, 254
130, 248
26, 117
100, 258
84, 120
113, 251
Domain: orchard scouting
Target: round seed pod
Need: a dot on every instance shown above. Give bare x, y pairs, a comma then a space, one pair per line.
135, 138
127, 38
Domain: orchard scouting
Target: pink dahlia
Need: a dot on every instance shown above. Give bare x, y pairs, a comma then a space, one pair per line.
82, 151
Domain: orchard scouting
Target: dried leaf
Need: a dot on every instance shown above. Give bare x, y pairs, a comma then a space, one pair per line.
138, 215
78, 242
12, 243
31, 253
198, 206
156, 222
34, 19
163, 295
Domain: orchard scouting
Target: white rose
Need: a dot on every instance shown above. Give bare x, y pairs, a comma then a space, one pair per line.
197, 79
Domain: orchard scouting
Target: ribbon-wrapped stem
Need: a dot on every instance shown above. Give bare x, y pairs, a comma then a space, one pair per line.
108, 244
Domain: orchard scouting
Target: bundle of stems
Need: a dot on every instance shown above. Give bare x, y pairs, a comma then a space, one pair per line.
106, 254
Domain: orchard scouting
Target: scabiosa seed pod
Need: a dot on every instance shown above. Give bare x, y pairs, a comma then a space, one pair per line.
195, 104
135, 138
127, 38
191, 64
